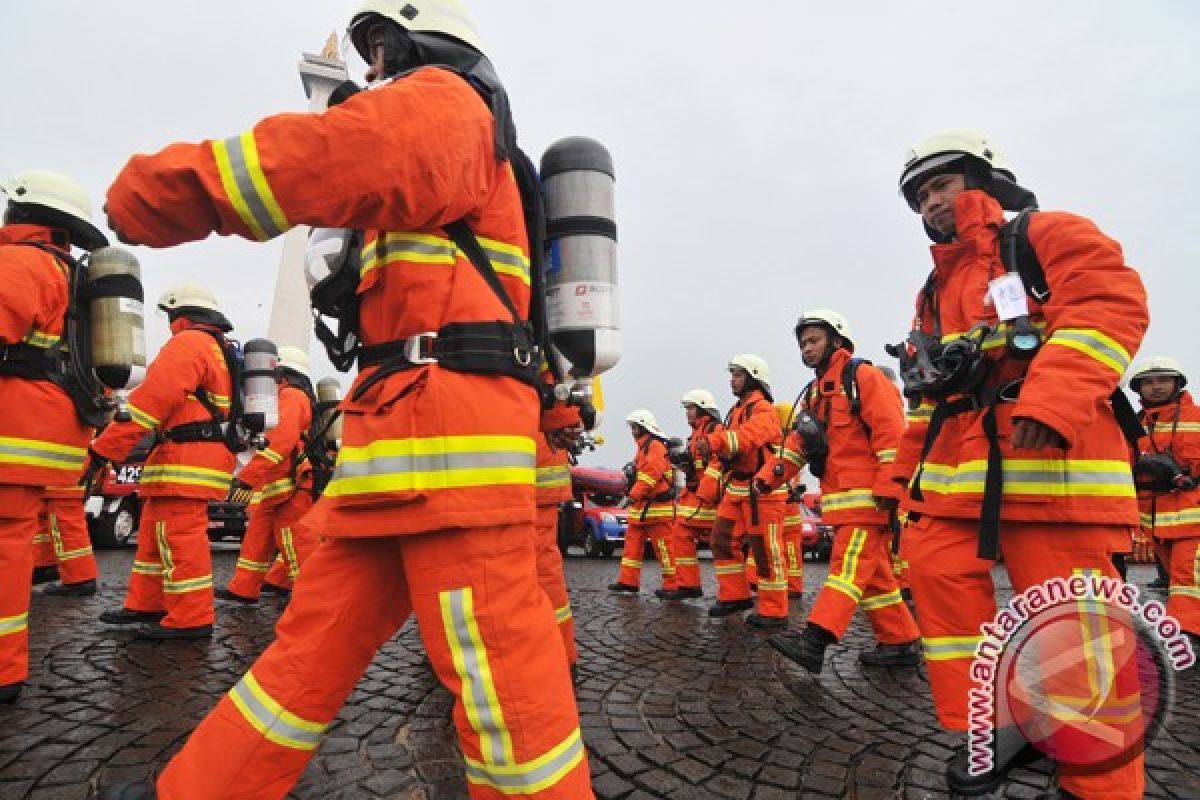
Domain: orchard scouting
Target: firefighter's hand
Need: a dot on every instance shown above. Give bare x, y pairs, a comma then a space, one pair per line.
1029, 434
1143, 549
564, 438
240, 492
703, 449
112, 226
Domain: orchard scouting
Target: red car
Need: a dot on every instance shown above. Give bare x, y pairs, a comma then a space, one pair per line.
596, 518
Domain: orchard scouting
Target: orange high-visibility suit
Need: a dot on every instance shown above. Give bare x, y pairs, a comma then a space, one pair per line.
63, 531
554, 488
1174, 519
751, 435
1063, 511
172, 568
696, 511
651, 514
793, 548
862, 449
282, 481
431, 509
42, 441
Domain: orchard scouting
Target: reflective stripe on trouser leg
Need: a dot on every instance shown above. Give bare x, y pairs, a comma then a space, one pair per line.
793, 543
43, 543
631, 555
552, 579
182, 533
852, 564
953, 589
766, 541
1183, 598
661, 535
728, 563
487, 640
72, 543
20, 506
891, 621
301, 538
145, 580
687, 563
257, 552
350, 599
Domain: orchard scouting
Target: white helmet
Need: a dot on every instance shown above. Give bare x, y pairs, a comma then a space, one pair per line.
828, 318
443, 17
702, 399
1156, 366
646, 420
57, 192
293, 358
936, 153
755, 367
195, 302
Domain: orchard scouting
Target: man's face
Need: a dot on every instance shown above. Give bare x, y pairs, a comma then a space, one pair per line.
635, 430
375, 69
935, 199
693, 414
737, 380
1156, 389
813, 343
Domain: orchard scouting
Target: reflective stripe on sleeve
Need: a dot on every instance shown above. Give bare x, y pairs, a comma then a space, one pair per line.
553, 477
246, 186
142, 419
1094, 344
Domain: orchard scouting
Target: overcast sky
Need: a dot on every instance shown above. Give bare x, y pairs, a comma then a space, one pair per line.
757, 145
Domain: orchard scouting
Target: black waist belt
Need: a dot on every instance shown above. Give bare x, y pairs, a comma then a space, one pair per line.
207, 431
481, 348
742, 476
28, 362
663, 497
985, 399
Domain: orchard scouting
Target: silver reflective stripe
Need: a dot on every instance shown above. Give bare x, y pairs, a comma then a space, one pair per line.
23, 453
245, 185
491, 728
937, 649
382, 249
507, 259
1106, 351
270, 722
15, 624
522, 779
440, 462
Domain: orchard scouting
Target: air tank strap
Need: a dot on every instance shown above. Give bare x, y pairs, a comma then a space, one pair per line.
204, 431
28, 362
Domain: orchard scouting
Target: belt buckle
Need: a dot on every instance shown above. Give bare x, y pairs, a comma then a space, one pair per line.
414, 345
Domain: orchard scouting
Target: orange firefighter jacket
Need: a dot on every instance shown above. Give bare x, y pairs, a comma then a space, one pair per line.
277, 470
751, 435
1094, 319
862, 446
190, 362
554, 464
423, 448
1175, 429
42, 441
651, 498
697, 503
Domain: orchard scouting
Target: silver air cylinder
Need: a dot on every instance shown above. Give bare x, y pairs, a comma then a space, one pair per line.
116, 317
260, 391
581, 274
329, 394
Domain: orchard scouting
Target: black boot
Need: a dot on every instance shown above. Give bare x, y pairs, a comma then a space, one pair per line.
82, 589
891, 655
124, 616
806, 648
278, 591
765, 623
9, 692
44, 575
623, 588
128, 791
159, 632
723, 608
1009, 750
221, 593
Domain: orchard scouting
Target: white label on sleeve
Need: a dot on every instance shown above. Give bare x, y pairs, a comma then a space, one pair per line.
1008, 296
128, 305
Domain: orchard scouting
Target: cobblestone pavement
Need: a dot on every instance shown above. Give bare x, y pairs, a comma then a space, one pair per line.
673, 704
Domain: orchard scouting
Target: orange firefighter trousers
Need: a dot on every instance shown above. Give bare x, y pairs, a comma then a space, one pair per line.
734, 520
172, 568
18, 523
954, 595
63, 540
1181, 557
683, 548
552, 579
273, 529
659, 533
861, 575
485, 623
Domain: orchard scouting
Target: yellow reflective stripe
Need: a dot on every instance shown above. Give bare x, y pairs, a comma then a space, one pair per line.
631, 563
553, 477
530, 777
148, 568
253, 566
713, 472
647, 478
886, 456
70, 555
506, 259
416, 248
437, 462
845, 587
246, 186
267, 716
41, 339
1184, 591
882, 600
190, 585
141, 418
843, 580
14, 624
1032, 476
1093, 343
658, 512
922, 413
729, 569
1169, 519
1183, 427
563, 614
38, 453
471, 662
271, 455
792, 456
276, 488
687, 561
1095, 633
851, 498
185, 476
41, 538
731, 439
289, 551
949, 648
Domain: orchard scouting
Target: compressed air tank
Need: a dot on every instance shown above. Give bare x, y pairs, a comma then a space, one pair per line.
578, 181
116, 317
329, 394
260, 389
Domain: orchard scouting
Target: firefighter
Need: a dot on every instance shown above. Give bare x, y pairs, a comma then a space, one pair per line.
696, 511
42, 441
1167, 470
752, 433
277, 486
651, 507
431, 509
183, 401
793, 540
1000, 377
64, 525
852, 421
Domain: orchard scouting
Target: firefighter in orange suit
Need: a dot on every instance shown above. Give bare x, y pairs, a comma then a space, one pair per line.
277, 484
431, 507
42, 441
64, 525
847, 429
793, 542
1023, 384
696, 511
752, 434
651, 507
1167, 472
183, 400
